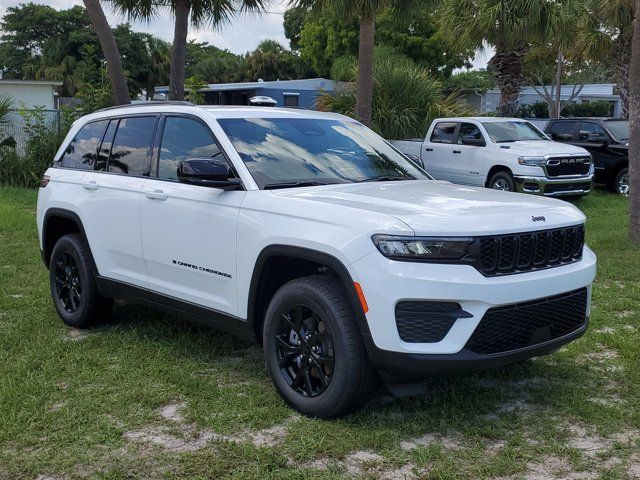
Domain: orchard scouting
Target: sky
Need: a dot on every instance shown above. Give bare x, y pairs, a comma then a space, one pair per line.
243, 34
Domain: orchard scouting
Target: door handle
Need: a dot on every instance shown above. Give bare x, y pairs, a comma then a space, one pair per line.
428, 149
457, 151
156, 195
92, 185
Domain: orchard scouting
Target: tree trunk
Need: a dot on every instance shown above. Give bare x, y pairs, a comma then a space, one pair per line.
634, 133
621, 62
110, 51
364, 88
179, 50
509, 66
557, 107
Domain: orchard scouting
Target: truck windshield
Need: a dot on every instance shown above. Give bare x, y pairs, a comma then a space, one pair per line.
619, 129
296, 152
501, 132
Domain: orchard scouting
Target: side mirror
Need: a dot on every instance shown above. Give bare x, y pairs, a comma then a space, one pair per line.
473, 141
206, 172
417, 160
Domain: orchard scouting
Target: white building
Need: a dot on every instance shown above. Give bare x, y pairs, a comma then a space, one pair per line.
30, 93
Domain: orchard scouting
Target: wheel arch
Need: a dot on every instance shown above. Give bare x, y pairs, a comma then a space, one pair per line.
495, 169
58, 222
305, 262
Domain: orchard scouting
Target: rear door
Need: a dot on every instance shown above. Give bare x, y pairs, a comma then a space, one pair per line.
438, 151
111, 210
563, 131
188, 231
467, 159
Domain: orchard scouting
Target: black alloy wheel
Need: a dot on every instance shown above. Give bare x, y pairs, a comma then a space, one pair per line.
67, 281
305, 351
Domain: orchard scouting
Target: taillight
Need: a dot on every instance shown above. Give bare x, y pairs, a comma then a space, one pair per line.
44, 181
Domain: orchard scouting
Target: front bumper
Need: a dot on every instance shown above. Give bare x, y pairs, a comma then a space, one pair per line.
554, 187
386, 283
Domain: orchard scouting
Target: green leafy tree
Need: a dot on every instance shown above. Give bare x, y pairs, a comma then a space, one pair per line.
406, 97
480, 80
200, 13
192, 86
271, 61
213, 64
365, 11
511, 27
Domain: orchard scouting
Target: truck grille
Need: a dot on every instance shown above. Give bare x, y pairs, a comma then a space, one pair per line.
522, 252
522, 325
426, 322
561, 166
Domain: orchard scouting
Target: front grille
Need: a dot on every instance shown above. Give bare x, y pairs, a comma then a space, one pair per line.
426, 322
567, 187
512, 327
561, 166
523, 252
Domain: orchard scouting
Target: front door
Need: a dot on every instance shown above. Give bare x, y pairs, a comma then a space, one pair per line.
188, 231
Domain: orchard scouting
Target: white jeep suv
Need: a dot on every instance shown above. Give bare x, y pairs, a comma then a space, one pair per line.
310, 234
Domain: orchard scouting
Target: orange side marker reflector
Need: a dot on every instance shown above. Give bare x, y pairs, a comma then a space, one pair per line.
363, 301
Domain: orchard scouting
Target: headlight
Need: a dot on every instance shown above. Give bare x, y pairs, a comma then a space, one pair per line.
531, 161
422, 248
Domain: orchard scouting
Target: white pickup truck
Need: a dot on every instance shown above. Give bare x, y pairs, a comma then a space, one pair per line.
503, 154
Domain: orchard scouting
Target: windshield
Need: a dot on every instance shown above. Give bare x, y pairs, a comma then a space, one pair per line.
501, 132
291, 152
619, 129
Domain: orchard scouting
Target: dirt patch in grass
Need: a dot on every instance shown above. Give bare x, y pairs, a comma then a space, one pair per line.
74, 335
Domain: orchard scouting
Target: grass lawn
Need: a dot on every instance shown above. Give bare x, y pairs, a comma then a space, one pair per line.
150, 396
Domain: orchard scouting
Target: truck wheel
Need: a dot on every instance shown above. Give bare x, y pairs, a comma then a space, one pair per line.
313, 350
73, 287
622, 182
502, 181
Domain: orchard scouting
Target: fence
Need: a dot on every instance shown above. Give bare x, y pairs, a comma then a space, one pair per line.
16, 126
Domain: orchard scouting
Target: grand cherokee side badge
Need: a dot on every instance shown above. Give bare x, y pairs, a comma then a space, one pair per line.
538, 219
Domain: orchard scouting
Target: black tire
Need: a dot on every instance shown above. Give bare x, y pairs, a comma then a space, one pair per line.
351, 380
502, 181
71, 269
619, 182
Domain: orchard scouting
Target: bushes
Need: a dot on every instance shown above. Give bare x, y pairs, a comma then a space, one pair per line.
25, 167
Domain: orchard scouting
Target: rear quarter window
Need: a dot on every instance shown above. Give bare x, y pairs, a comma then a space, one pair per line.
81, 152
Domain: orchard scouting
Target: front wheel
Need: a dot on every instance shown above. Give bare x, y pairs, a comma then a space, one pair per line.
622, 182
313, 350
502, 181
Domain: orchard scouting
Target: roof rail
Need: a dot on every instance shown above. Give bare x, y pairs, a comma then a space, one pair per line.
149, 104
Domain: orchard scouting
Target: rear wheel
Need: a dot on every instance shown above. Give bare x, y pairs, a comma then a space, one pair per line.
73, 287
621, 183
313, 350
502, 181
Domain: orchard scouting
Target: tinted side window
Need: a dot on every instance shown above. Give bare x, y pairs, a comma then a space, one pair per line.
469, 130
131, 145
562, 131
81, 152
588, 128
184, 138
444, 132
105, 147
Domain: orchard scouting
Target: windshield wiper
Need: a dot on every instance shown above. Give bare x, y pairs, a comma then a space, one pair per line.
387, 178
506, 141
273, 186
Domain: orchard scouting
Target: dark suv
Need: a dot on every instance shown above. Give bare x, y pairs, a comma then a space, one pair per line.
606, 139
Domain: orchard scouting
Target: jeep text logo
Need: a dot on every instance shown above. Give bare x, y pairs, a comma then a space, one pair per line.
538, 219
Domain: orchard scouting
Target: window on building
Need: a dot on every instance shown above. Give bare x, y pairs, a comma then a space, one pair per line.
132, 145
81, 152
184, 138
291, 100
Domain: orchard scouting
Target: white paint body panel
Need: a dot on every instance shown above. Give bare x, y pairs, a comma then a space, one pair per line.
135, 238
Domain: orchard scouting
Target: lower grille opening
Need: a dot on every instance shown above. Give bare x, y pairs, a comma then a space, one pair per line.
426, 322
522, 325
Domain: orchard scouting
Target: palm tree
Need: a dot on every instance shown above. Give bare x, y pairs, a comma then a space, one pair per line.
366, 11
200, 12
110, 51
510, 26
605, 34
634, 131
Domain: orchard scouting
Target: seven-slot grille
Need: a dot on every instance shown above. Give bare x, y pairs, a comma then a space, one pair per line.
561, 166
522, 252
522, 325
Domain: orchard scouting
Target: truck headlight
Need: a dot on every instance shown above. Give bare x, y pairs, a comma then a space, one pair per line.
422, 248
531, 161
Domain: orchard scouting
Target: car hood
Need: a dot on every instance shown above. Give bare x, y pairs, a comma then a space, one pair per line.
438, 207
541, 148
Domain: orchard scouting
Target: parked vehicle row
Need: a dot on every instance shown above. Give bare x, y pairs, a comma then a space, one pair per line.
310, 234
503, 154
